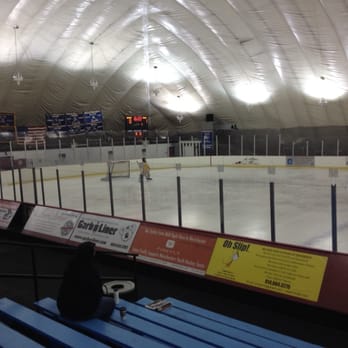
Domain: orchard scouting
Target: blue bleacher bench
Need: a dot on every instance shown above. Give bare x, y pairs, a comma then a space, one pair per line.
10, 338
216, 327
148, 328
227, 325
55, 332
102, 330
185, 328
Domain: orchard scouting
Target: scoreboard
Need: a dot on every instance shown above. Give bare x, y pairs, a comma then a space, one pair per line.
136, 124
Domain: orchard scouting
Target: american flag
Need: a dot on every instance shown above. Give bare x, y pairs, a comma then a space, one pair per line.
32, 136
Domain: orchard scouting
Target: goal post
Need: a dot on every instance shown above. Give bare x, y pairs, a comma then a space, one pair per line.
118, 169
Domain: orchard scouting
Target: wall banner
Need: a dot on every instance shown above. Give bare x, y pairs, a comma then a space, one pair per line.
302, 161
106, 232
8, 210
7, 126
170, 247
207, 139
73, 123
284, 271
52, 223
7, 119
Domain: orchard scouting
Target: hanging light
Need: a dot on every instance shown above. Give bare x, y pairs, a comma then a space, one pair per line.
179, 117
93, 82
17, 76
323, 89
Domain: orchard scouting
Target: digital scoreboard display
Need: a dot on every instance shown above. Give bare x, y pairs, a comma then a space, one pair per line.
136, 123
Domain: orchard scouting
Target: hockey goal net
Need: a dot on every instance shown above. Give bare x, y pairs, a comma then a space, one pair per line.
118, 169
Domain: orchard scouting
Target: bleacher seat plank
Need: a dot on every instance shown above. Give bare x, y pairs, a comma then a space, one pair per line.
188, 329
10, 338
151, 329
48, 328
101, 329
220, 318
218, 328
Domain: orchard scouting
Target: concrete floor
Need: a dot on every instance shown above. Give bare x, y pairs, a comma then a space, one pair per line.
302, 199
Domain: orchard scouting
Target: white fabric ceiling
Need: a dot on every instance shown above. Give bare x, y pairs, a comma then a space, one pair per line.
256, 63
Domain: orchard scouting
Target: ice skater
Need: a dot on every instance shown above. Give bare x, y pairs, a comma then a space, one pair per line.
144, 169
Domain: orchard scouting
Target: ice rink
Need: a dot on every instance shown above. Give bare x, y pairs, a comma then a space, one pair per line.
302, 201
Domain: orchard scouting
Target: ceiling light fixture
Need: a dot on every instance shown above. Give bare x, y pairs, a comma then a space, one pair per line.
93, 82
323, 89
322, 99
179, 117
17, 76
252, 92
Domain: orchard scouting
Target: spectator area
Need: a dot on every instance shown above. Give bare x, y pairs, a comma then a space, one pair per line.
174, 326
267, 314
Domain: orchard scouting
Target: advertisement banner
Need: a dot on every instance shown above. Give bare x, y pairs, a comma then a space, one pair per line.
7, 119
51, 223
8, 210
106, 232
173, 248
284, 271
207, 139
7, 126
74, 123
302, 161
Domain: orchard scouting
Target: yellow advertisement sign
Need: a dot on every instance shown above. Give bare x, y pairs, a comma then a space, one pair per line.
283, 271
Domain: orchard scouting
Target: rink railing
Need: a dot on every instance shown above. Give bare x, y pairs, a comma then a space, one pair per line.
232, 142
29, 185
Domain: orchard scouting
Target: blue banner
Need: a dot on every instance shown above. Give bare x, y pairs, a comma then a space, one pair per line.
7, 126
74, 123
7, 119
207, 140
